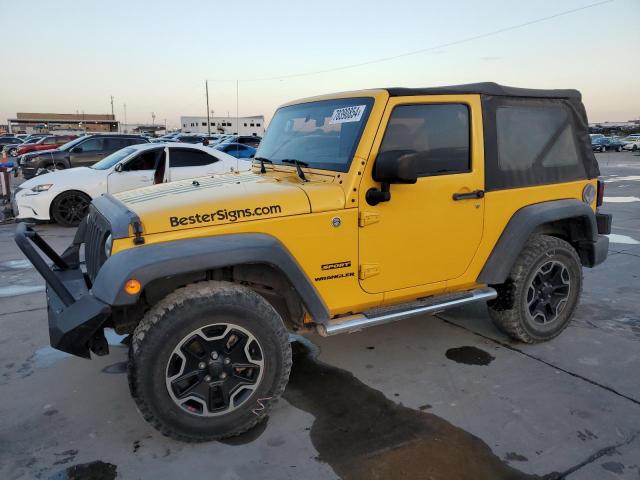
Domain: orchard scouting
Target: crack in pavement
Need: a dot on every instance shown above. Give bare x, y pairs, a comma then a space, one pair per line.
592, 458
23, 311
533, 357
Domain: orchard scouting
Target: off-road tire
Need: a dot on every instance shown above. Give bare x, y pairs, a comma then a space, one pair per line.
184, 311
509, 310
63, 219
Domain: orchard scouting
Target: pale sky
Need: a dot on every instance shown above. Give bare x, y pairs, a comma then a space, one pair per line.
154, 56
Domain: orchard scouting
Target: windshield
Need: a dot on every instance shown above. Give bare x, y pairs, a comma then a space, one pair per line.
322, 135
110, 160
71, 144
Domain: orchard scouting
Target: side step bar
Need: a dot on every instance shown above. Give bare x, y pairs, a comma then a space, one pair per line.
354, 323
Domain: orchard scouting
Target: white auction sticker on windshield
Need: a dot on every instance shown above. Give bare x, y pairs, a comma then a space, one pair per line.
347, 114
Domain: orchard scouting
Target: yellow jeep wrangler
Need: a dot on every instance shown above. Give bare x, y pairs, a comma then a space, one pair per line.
362, 208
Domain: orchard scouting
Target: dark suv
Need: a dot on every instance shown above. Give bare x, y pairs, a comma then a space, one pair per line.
81, 152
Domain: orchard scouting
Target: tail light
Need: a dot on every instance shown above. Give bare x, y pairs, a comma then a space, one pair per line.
600, 193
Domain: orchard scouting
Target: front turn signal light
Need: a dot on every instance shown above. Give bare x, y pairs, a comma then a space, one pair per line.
132, 287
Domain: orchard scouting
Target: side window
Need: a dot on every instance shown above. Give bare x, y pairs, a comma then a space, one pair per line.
181, 157
92, 145
134, 141
50, 141
113, 144
145, 161
534, 137
438, 133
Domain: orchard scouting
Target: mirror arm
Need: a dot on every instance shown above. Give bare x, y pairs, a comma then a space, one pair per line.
374, 196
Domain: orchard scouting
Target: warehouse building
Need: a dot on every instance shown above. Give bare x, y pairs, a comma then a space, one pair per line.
62, 123
235, 126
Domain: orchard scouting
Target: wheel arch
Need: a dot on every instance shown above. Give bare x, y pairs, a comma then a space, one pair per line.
256, 260
570, 220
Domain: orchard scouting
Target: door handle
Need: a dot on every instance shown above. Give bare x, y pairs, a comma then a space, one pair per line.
476, 194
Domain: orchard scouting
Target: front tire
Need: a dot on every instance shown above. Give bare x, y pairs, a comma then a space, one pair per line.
208, 361
539, 298
69, 208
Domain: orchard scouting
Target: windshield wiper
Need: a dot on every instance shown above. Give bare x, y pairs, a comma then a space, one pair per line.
298, 164
262, 160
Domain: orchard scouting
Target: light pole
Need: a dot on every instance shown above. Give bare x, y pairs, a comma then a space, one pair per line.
206, 87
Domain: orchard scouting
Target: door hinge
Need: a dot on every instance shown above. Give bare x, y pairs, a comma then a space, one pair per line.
367, 270
367, 218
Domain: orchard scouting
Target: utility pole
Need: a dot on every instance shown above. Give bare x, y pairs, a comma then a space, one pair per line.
206, 87
153, 118
112, 114
125, 118
165, 126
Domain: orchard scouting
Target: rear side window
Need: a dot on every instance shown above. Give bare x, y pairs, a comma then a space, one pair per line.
181, 157
92, 145
438, 133
534, 137
530, 142
113, 144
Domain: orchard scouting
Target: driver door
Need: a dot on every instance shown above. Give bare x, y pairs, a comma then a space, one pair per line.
428, 232
136, 172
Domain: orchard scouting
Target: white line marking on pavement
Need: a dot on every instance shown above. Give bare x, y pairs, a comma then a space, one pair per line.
17, 264
16, 290
616, 238
628, 178
621, 199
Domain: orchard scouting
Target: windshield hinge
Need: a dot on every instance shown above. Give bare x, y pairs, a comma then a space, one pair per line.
367, 270
137, 232
367, 218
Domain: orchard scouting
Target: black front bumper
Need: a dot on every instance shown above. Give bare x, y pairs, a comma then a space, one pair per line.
76, 317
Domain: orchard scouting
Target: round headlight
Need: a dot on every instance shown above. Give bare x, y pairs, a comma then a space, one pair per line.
107, 246
588, 193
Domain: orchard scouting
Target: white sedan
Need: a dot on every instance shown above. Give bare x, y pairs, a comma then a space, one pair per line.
64, 195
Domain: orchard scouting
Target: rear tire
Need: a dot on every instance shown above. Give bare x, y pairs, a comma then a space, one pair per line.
538, 299
618, 149
183, 368
69, 208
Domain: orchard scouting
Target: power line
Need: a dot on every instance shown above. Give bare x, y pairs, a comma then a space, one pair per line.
427, 49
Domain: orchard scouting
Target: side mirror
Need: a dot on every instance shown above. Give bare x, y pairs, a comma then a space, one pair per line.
76, 150
395, 166
118, 168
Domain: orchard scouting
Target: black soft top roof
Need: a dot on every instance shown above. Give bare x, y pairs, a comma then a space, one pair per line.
486, 88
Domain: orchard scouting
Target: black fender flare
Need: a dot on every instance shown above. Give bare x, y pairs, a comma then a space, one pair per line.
523, 224
147, 263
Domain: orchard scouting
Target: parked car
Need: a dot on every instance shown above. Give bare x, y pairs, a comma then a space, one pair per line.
169, 137
632, 143
81, 152
596, 135
603, 144
44, 143
209, 279
251, 140
8, 139
64, 196
11, 149
236, 149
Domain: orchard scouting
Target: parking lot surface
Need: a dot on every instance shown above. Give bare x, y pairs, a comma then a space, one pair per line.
444, 397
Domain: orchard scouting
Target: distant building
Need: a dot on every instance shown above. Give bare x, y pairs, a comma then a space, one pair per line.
62, 122
236, 126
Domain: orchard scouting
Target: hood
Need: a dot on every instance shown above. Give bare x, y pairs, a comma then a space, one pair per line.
51, 152
224, 199
62, 178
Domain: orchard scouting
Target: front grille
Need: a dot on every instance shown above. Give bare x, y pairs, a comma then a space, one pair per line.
97, 231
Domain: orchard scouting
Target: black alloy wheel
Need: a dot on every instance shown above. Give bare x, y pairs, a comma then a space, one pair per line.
69, 208
214, 370
548, 292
